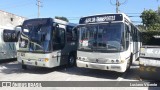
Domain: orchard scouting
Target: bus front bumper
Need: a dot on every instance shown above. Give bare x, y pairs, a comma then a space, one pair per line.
39, 60
109, 67
34, 63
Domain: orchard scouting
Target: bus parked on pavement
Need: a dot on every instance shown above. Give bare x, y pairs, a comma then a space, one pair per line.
8, 43
107, 42
47, 42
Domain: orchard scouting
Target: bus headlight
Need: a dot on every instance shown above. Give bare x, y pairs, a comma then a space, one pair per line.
122, 61
46, 59
112, 61
117, 61
43, 59
82, 58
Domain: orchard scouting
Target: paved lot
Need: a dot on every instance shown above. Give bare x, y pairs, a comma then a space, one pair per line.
12, 72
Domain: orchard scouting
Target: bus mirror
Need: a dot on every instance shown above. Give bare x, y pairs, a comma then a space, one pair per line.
55, 25
18, 30
19, 27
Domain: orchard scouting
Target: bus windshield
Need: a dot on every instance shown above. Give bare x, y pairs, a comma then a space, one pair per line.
101, 37
38, 35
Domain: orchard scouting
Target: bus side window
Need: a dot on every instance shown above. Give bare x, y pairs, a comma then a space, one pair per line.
62, 37
9, 36
127, 36
131, 34
69, 33
56, 39
74, 33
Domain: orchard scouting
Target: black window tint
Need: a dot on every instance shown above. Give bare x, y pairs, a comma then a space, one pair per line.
127, 36
9, 35
56, 39
69, 33
62, 37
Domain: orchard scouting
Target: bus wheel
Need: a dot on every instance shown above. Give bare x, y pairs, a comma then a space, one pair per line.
71, 61
24, 66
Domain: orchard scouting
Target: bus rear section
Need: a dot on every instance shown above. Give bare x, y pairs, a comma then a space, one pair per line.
8, 44
47, 42
106, 42
149, 61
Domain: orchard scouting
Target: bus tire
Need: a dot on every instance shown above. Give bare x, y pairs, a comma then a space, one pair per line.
71, 60
24, 66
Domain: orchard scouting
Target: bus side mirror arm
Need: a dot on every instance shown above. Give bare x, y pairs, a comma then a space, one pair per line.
18, 32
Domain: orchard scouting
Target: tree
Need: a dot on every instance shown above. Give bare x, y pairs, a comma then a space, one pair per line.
62, 18
151, 22
149, 17
158, 11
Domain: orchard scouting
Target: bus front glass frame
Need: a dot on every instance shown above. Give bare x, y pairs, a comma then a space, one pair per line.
106, 37
40, 36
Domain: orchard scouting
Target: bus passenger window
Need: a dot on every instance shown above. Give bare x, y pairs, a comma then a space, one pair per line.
69, 33
9, 36
62, 37
56, 40
126, 37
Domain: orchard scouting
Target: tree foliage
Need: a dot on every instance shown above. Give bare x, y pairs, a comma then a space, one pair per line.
62, 18
150, 27
158, 11
149, 17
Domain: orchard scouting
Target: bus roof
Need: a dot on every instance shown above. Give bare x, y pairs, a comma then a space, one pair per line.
53, 20
63, 22
104, 18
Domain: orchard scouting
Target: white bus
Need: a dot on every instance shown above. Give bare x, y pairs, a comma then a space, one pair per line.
107, 42
47, 42
8, 43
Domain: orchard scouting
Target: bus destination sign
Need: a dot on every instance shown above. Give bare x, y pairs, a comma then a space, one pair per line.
101, 18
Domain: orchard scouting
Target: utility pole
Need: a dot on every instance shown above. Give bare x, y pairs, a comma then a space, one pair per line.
117, 6
38, 5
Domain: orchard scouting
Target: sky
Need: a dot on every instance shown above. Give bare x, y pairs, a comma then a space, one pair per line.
74, 9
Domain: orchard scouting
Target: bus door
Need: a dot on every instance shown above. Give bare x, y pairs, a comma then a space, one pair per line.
59, 44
